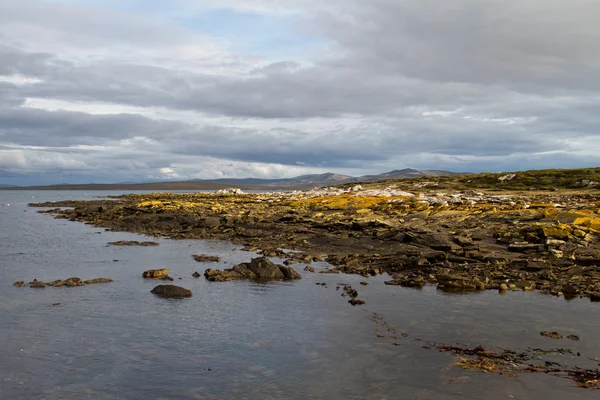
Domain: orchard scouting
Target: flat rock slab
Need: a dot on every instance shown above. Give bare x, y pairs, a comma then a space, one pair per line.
171, 291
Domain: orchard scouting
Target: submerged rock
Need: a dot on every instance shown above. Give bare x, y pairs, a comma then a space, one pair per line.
171, 291
206, 258
260, 268
132, 243
551, 335
156, 273
98, 280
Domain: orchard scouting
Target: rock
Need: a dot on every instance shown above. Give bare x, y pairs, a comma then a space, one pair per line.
156, 273
56, 283
132, 243
459, 283
230, 191
573, 337
196, 274
209, 222
356, 302
206, 258
507, 177
98, 280
289, 273
364, 283
72, 282
19, 284
37, 284
407, 281
266, 269
260, 268
308, 268
171, 291
551, 335
595, 297
503, 287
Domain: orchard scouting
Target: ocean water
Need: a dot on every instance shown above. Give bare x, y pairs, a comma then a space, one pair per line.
244, 340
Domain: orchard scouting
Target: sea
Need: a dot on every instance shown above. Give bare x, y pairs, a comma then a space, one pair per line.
248, 340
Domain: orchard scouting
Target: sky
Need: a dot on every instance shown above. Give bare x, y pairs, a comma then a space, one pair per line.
140, 90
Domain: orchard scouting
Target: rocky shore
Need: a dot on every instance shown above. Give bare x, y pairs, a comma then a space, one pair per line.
418, 232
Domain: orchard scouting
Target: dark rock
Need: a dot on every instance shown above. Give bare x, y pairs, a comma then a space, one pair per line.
171, 291
551, 335
573, 337
595, 297
364, 283
308, 268
132, 243
356, 302
196, 274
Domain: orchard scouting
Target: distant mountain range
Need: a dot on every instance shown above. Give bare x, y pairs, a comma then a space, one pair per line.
299, 182
330, 179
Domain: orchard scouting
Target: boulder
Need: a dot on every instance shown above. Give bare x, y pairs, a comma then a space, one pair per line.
156, 273
72, 282
37, 284
260, 268
171, 291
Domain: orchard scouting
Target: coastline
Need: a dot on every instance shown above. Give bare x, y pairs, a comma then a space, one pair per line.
458, 240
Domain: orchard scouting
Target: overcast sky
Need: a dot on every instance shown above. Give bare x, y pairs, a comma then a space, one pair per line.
137, 90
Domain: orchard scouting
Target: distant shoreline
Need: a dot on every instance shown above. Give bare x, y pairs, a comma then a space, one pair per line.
144, 186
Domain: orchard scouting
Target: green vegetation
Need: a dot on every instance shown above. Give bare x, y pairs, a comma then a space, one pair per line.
547, 179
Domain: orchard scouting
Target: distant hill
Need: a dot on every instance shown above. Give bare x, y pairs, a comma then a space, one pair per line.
2, 185
298, 182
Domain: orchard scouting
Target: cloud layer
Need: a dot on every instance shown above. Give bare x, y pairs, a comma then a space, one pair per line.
109, 91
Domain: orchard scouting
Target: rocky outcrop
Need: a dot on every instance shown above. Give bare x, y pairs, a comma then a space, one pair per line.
260, 268
156, 274
171, 291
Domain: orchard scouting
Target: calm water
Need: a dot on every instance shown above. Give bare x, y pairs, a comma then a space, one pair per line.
242, 340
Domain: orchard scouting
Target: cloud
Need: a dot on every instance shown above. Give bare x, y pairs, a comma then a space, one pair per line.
467, 85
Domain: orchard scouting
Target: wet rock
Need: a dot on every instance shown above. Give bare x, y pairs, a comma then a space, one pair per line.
97, 280
364, 283
156, 273
196, 274
19, 284
171, 291
595, 297
37, 284
72, 282
132, 243
503, 287
551, 335
260, 268
206, 258
407, 281
356, 302
308, 268
459, 283
573, 337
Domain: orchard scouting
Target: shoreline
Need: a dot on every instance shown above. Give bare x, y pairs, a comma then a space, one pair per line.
459, 240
